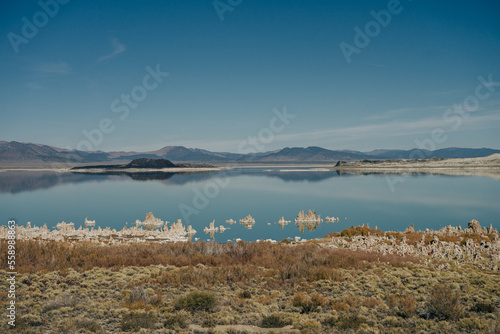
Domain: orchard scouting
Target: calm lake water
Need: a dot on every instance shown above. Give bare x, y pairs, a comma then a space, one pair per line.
428, 201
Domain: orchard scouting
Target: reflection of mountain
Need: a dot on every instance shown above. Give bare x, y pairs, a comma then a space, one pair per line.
309, 176
145, 176
19, 181
492, 173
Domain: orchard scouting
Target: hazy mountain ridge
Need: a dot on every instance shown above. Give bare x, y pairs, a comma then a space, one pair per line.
16, 152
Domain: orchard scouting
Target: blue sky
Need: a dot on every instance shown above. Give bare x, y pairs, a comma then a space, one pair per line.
225, 77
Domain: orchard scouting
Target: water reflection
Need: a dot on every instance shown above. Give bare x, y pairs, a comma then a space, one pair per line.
19, 181
113, 198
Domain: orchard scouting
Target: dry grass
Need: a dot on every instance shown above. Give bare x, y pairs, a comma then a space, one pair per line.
238, 260
157, 288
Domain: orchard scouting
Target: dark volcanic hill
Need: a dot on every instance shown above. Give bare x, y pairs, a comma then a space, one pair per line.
136, 163
150, 163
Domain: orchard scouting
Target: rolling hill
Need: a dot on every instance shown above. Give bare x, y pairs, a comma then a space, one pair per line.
15, 153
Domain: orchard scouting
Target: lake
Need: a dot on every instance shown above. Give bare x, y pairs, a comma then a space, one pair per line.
112, 199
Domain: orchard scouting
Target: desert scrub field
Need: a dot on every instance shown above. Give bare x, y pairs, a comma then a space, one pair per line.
228, 288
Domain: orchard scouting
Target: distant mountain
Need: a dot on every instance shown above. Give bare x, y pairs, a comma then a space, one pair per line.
308, 154
26, 152
451, 152
16, 153
457, 152
181, 153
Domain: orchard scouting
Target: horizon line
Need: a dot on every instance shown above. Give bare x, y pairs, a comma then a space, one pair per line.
259, 152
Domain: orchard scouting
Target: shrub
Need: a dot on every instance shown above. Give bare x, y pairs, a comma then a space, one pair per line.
444, 303
88, 324
340, 306
138, 320
403, 306
329, 322
65, 300
177, 320
208, 322
274, 321
360, 230
138, 294
483, 308
309, 326
471, 325
245, 294
350, 322
371, 302
344, 322
196, 301
32, 320
308, 304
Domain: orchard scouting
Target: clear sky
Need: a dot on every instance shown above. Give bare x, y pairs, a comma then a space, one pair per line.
226, 76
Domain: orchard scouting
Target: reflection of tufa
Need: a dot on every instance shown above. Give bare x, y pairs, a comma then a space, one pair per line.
282, 222
309, 220
150, 223
211, 228
63, 226
331, 219
248, 222
89, 222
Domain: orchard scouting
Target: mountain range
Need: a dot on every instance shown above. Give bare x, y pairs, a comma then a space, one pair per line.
25, 153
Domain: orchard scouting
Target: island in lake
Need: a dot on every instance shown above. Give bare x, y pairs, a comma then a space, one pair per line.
144, 164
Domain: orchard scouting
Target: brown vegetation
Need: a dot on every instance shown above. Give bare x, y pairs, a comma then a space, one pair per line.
444, 303
239, 259
174, 288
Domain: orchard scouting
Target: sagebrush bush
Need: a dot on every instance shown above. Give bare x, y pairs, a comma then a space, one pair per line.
349, 322
483, 308
308, 304
471, 325
177, 320
403, 306
309, 326
65, 300
344, 322
138, 294
245, 294
196, 301
444, 303
75, 325
274, 321
138, 320
360, 230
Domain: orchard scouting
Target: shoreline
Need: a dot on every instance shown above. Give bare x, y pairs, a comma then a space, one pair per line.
473, 244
